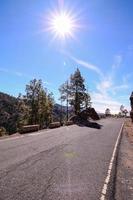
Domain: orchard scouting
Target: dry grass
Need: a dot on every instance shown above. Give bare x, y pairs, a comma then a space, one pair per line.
129, 129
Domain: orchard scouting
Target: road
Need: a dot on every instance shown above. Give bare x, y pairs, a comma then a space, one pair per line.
68, 163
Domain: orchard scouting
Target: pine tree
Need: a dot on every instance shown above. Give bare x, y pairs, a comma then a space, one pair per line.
46, 103
50, 100
40, 103
23, 110
107, 112
64, 95
77, 91
33, 90
87, 100
42, 107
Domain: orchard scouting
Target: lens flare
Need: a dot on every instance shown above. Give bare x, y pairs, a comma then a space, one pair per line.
63, 25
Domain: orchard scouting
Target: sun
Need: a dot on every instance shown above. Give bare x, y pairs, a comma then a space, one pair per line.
62, 25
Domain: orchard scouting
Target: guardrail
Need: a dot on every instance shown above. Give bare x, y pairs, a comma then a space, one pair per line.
54, 125
29, 128
68, 123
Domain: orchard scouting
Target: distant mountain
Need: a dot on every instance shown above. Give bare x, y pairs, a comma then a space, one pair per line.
60, 112
8, 112
64, 108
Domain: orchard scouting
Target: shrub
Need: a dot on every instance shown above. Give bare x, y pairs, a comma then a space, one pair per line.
2, 131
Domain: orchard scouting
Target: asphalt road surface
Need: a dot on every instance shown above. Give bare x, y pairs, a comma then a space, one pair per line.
68, 163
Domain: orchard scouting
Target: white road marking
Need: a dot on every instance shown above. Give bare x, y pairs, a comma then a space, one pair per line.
102, 197
107, 179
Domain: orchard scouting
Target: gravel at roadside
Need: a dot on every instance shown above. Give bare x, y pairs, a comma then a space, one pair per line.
124, 176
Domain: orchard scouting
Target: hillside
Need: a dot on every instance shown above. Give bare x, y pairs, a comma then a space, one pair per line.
60, 112
8, 112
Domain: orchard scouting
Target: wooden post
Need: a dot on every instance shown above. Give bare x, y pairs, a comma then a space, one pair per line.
131, 101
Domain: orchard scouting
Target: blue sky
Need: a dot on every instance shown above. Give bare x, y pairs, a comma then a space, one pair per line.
102, 48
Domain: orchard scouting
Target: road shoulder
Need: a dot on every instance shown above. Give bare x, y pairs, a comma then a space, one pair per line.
124, 175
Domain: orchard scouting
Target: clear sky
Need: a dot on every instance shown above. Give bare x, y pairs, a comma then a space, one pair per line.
101, 47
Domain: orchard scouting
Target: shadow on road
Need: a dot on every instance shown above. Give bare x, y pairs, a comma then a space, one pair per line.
90, 124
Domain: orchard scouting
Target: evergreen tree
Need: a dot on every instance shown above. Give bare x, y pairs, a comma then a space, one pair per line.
77, 91
74, 93
87, 100
33, 90
40, 103
23, 110
65, 94
42, 107
50, 105
107, 112
36, 107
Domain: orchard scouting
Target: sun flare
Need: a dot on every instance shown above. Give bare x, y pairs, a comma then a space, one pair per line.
62, 24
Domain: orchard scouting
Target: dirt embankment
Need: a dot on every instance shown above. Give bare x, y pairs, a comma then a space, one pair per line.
129, 130
124, 177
